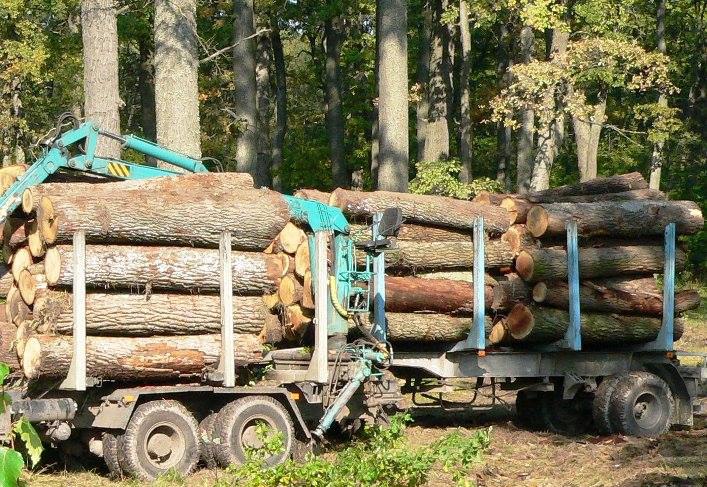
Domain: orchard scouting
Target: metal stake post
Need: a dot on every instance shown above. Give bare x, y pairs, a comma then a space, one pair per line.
380, 330
318, 370
227, 362
76, 377
573, 336
477, 335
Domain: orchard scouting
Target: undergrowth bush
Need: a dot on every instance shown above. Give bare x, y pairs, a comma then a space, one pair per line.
380, 457
442, 178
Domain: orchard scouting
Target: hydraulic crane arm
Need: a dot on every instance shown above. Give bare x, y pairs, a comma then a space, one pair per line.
75, 149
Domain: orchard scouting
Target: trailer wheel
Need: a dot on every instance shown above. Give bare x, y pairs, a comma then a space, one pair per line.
600, 405
160, 436
571, 417
641, 405
110, 455
206, 432
237, 430
528, 411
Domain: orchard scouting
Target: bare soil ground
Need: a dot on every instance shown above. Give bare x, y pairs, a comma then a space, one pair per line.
517, 457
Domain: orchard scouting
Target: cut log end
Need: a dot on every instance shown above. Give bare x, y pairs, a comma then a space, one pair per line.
537, 221
290, 290
52, 265
34, 239
291, 237
27, 201
21, 261
27, 284
525, 265
520, 321
498, 333
47, 221
510, 205
31, 357
302, 259
539, 292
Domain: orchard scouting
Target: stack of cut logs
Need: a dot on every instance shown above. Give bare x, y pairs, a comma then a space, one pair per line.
620, 223
152, 274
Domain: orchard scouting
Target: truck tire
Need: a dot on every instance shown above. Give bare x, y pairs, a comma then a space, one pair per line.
235, 430
110, 455
641, 405
206, 433
161, 435
570, 417
600, 405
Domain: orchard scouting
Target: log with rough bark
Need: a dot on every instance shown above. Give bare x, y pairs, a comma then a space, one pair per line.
536, 324
415, 233
551, 264
192, 216
428, 327
6, 280
297, 319
413, 294
615, 295
154, 314
611, 184
425, 209
8, 355
135, 359
518, 237
509, 290
313, 195
447, 255
171, 268
616, 218
217, 183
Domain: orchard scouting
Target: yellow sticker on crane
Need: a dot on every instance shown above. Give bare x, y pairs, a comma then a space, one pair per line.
118, 169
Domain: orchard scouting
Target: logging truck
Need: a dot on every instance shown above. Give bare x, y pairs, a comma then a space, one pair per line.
352, 374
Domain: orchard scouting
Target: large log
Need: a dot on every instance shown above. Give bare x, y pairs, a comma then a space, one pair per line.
8, 333
611, 184
551, 264
154, 314
429, 327
616, 218
135, 359
426, 209
216, 183
415, 233
547, 325
192, 216
446, 255
313, 195
413, 294
172, 268
509, 290
615, 295
518, 237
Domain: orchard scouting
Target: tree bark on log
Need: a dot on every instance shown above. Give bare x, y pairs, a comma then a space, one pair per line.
518, 237
188, 217
510, 290
135, 359
313, 195
549, 325
447, 255
425, 209
429, 327
415, 233
551, 264
8, 333
611, 184
172, 268
616, 218
6, 281
155, 314
413, 294
615, 295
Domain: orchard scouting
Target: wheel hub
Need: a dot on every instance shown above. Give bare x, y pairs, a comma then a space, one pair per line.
164, 445
646, 410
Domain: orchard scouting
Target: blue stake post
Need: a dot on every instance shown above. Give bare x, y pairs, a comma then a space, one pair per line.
573, 335
380, 330
664, 341
477, 335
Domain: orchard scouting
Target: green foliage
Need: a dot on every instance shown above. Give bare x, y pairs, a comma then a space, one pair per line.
10, 467
381, 457
30, 439
442, 178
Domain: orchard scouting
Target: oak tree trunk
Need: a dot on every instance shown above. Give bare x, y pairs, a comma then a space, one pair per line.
278, 144
245, 91
334, 115
524, 163
587, 132
262, 81
465, 123
658, 157
423, 79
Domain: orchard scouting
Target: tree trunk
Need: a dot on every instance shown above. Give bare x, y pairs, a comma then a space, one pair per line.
426, 209
616, 218
587, 132
116, 314
423, 80
504, 134
615, 295
524, 163
546, 325
280, 105
135, 359
171, 268
437, 128
334, 111
551, 264
414, 294
188, 217
245, 91
262, 82
176, 77
146, 83
465, 123
393, 96
375, 145
658, 157
558, 48
447, 255
598, 186
100, 75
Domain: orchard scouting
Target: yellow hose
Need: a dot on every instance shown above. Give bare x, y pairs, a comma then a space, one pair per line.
334, 300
